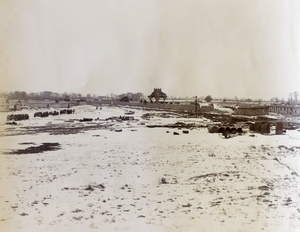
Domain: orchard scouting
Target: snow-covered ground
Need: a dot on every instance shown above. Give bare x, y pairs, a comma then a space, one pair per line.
144, 179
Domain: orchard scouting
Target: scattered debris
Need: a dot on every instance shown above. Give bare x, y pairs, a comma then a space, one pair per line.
89, 188
187, 205
17, 117
12, 123
24, 214
264, 188
224, 129
168, 180
37, 149
129, 112
86, 120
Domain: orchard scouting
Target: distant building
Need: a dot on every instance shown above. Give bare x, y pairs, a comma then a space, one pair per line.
252, 110
80, 102
125, 99
293, 110
157, 94
18, 106
207, 107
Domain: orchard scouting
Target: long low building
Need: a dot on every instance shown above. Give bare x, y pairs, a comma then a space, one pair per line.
252, 110
293, 110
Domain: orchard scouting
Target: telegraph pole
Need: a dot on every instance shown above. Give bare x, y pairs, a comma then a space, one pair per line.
196, 106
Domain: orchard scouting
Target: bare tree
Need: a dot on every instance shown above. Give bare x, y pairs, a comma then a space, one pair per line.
296, 95
291, 97
275, 99
236, 99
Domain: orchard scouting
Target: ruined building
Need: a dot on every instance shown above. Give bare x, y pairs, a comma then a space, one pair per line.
292, 110
252, 110
157, 94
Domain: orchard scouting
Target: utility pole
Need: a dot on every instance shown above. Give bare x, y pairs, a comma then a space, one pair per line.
196, 106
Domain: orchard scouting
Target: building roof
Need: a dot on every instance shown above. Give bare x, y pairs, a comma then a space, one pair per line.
158, 93
125, 99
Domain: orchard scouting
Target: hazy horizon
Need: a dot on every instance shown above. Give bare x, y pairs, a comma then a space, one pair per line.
248, 49
169, 97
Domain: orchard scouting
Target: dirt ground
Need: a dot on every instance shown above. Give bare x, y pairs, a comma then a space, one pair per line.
60, 174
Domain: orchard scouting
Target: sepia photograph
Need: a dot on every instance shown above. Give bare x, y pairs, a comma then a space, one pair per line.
153, 116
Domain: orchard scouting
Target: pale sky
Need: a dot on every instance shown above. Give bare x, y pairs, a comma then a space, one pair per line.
225, 48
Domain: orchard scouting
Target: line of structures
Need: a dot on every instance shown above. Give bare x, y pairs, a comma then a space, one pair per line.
158, 99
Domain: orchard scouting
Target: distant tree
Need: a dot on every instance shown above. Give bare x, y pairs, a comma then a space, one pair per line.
66, 96
32, 95
296, 95
18, 95
112, 96
24, 95
236, 99
137, 96
293, 97
290, 99
46, 94
208, 98
224, 100
259, 100
72, 95
275, 99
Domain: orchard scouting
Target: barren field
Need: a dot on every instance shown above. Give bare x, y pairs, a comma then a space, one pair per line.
63, 174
